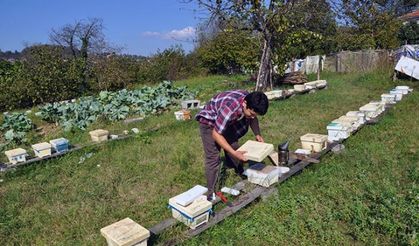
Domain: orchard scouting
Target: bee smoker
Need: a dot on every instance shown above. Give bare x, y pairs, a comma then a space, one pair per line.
283, 153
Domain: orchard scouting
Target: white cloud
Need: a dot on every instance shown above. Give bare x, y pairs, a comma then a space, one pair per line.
184, 34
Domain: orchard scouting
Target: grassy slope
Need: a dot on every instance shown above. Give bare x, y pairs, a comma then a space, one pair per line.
368, 194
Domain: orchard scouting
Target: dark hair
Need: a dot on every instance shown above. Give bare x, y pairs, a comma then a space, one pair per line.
258, 102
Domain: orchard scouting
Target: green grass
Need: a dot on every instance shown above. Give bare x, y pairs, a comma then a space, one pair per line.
366, 195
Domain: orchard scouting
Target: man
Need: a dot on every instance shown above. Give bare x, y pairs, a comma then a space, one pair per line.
224, 120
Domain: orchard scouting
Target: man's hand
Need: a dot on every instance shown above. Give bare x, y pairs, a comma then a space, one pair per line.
259, 138
240, 155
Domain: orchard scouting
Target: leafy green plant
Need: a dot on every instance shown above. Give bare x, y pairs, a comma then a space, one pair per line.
16, 125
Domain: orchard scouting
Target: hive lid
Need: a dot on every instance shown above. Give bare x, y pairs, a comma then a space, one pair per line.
125, 232
99, 132
190, 195
41, 146
402, 87
197, 207
256, 151
312, 137
15, 152
355, 113
58, 141
388, 95
349, 119
369, 107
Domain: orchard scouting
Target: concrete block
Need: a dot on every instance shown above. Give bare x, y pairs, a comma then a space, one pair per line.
190, 104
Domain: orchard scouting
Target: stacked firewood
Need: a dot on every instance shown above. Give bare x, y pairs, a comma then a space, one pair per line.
293, 78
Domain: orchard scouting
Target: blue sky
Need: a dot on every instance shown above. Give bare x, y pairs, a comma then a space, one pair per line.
141, 27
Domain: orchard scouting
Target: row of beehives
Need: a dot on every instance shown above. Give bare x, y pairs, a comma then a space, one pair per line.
342, 127
59, 145
313, 85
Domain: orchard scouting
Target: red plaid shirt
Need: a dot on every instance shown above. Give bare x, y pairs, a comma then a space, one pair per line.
224, 111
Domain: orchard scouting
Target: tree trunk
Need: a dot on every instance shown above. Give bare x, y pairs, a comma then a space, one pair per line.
264, 78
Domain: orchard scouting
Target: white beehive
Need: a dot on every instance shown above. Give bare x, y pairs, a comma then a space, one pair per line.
256, 151
403, 88
388, 98
359, 114
371, 110
300, 88
264, 175
16, 155
193, 215
381, 105
270, 95
349, 121
337, 131
399, 94
183, 114
321, 84
314, 142
42, 149
99, 135
125, 232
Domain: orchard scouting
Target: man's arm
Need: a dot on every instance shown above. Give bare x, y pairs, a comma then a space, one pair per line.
220, 140
254, 125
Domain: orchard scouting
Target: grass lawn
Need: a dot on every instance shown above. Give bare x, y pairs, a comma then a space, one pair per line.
366, 195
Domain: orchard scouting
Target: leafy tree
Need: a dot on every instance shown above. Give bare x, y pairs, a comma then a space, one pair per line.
230, 52
409, 33
270, 19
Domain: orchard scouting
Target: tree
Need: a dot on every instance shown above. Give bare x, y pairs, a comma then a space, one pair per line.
82, 38
409, 33
269, 19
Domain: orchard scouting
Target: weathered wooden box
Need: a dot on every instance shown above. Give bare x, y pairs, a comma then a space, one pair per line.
99, 135
193, 215
314, 142
42, 149
125, 232
256, 151
59, 145
16, 155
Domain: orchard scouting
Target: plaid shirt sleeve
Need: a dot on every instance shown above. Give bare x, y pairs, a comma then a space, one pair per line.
225, 115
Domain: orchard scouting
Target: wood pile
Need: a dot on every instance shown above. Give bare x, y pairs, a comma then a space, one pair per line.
293, 78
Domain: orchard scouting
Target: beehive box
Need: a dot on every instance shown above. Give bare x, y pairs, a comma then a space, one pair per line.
399, 94
299, 88
314, 142
264, 175
42, 149
99, 135
403, 88
125, 232
59, 145
256, 151
371, 110
337, 131
381, 105
190, 104
16, 155
359, 114
277, 93
388, 98
270, 95
350, 121
321, 84
183, 115
193, 215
